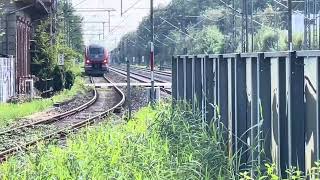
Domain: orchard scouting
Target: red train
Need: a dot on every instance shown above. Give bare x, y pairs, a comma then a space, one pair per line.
96, 60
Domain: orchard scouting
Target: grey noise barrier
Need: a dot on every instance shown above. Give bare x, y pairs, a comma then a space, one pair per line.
268, 103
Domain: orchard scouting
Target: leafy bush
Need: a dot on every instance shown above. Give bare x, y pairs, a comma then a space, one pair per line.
69, 77
57, 76
44, 64
268, 39
297, 41
209, 40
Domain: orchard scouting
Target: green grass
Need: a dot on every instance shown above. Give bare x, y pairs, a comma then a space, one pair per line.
154, 145
11, 112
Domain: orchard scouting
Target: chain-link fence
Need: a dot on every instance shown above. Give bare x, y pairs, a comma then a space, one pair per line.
7, 79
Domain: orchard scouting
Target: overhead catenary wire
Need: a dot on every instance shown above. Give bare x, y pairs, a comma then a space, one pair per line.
124, 20
177, 28
80, 3
132, 6
238, 12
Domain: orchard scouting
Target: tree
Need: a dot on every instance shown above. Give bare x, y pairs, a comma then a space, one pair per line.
70, 26
44, 63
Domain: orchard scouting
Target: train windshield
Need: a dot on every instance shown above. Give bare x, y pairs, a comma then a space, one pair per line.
96, 51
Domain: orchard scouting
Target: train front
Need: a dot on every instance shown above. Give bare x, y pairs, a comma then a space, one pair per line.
96, 60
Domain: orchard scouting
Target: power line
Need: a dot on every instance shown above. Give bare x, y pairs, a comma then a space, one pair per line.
125, 19
132, 6
79, 3
94, 10
177, 28
156, 37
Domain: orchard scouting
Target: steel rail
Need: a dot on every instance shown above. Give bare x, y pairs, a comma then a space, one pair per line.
161, 73
107, 112
139, 77
9, 152
56, 117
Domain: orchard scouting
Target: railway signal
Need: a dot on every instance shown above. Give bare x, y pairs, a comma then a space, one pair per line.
61, 59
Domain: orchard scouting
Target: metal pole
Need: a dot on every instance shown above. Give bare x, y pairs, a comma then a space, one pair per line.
247, 32
244, 27
290, 25
184, 28
128, 89
152, 52
121, 7
103, 29
234, 47
315, 23
252, 32
306, 25
51, 26
109, 21
315, 32
122, 51
309, 25
68, 25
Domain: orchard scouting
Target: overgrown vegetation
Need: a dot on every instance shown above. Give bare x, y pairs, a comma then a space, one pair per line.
154, 145
270, 173
11, 112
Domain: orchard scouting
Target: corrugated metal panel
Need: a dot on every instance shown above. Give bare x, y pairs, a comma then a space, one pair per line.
7, 79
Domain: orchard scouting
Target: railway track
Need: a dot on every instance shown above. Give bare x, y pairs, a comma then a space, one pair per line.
22, 137
158, 72
140, 77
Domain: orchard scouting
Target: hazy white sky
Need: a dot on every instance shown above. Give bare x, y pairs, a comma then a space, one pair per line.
119, 25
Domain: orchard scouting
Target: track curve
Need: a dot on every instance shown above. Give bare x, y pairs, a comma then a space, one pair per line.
22, 137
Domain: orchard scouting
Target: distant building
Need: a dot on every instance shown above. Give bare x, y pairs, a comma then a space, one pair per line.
18, 20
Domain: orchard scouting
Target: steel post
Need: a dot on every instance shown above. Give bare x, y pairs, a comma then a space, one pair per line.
222, 94
152, 51
296, 118
279, 119
128, 89
197, 84
180, 83
188, 82
240, 107
174, 78
210, 89
264, 105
